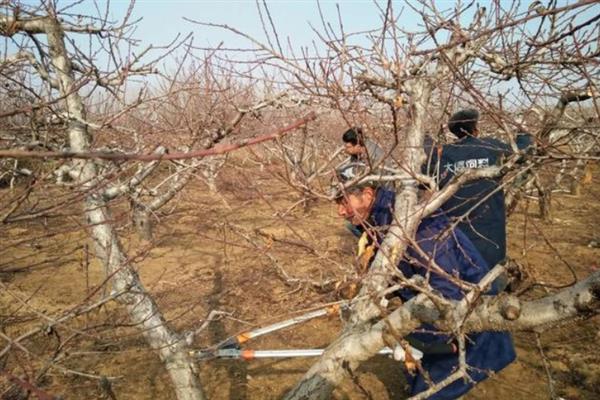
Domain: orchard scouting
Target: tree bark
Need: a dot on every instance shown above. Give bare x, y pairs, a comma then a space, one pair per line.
142, 309
359, 344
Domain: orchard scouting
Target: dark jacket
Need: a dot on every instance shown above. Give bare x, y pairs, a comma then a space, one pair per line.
454, 253
481, 199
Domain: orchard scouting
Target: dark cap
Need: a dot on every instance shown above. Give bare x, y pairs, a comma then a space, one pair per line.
463, 122
347, 173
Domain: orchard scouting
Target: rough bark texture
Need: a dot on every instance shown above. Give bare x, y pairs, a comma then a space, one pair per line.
406, 216
144, 225
142, 213
345, 355
142, 309
355, 346
348, 351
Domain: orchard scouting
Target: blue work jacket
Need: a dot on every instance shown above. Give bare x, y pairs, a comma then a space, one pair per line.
453, 251
482, 199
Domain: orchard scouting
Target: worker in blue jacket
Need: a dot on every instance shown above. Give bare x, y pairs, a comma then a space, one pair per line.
487, 352
479, 204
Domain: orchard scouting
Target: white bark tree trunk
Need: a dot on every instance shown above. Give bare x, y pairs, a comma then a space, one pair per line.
361, 343
142, 309
349, 350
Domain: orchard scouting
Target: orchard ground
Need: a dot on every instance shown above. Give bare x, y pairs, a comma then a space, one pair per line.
202, 260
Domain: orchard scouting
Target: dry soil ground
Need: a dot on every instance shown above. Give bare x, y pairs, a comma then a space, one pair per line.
227, 252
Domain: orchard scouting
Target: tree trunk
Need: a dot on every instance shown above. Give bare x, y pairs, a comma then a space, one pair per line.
144, 224
580, 175
546, 205
142, 309
349, 350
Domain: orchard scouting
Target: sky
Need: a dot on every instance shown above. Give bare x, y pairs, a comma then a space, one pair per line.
162, 20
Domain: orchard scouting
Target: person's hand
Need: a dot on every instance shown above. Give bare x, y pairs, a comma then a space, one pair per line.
410, 358
365, 252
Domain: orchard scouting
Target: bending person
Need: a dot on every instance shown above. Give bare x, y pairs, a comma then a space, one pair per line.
372, 208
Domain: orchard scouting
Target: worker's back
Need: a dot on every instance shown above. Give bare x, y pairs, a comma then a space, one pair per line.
480, 203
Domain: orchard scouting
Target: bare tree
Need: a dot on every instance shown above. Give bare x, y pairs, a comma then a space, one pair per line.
405, 84
399, 85
59, 72
62, 77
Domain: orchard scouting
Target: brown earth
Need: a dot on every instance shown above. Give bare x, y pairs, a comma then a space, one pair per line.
202, 261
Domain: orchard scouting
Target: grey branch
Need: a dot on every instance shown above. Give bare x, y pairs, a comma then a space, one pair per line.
142, 173
579, 301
